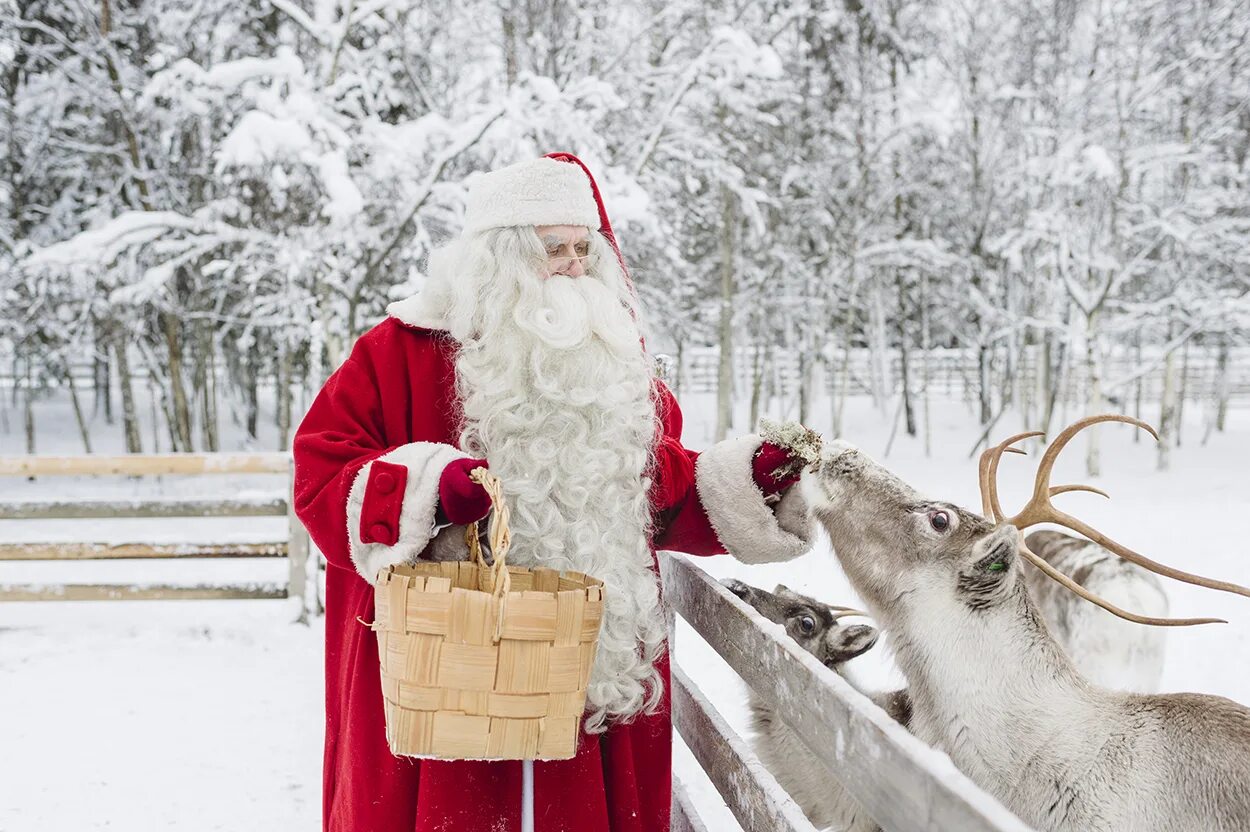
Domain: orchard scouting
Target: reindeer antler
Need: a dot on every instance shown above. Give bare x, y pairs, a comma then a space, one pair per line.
1040, 509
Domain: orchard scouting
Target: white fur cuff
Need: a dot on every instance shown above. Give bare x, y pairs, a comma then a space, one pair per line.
749, 528
425, 462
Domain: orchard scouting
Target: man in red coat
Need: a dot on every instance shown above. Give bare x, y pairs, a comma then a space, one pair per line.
522, 352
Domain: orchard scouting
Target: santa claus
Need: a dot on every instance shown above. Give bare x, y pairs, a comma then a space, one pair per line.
522, 352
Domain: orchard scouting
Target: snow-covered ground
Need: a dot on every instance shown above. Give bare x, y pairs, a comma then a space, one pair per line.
207, 715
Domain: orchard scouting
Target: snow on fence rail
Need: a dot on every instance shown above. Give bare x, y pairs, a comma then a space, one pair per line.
296, 548
903, 784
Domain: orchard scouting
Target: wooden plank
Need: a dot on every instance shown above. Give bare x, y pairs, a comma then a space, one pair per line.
65, 510
905, 785
685, 818
106, 551
141, 464
127, 592
749, 790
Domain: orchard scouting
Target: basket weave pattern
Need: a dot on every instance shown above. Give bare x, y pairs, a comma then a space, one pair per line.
485, 662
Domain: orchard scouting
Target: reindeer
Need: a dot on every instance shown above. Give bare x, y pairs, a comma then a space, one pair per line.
818, 630
988, 683
1107, 650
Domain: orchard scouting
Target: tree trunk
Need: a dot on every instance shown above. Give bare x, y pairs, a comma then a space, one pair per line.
252, 373
28, 411
909, 414
101, 379
757, 382
878, 345
1137, 388
724, 380
282, 378
1221, 386
508, 24
925, 347
1094, 402
78, 417
985, 394
679, 373
207, 384
153, 395
1181, 393
180, 422
805, 371
1167, 410
1056, 365
130, 419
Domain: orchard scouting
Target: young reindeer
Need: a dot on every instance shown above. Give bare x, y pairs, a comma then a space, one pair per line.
990, 686
817, 628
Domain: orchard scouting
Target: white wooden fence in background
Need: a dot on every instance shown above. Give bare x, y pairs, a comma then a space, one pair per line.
295, 548
954, 373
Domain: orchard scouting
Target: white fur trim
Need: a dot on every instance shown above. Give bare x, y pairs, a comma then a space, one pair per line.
425, 462
427, 310
535, 192
749, 528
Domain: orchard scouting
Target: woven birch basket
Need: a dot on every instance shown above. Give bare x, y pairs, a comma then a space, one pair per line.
485, 662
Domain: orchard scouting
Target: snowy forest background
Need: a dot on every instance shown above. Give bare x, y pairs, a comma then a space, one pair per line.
1021, 203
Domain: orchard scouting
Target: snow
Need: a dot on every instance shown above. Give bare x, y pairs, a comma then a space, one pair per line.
1099, 164
107, 242
205, 715
259, 138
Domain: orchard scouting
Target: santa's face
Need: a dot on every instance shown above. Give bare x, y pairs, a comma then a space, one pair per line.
567, 246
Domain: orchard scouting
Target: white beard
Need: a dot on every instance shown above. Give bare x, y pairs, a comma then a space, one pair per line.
557, 396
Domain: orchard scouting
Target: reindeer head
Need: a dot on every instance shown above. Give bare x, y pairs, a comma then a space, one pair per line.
896, 544
815, 626
893, 543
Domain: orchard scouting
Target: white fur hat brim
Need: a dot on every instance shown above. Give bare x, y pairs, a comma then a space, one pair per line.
535, 192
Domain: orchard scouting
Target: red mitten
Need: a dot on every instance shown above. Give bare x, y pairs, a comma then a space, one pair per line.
768, 459
463, 500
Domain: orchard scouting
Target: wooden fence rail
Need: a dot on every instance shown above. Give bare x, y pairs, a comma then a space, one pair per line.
295, 548
902, 783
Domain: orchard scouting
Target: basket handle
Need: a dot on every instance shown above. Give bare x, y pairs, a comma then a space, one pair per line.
500, 534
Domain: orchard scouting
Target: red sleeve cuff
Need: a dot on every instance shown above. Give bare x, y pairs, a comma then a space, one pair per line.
383, 503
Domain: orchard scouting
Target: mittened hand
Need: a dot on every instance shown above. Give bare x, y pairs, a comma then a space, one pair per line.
767, 460
463, 501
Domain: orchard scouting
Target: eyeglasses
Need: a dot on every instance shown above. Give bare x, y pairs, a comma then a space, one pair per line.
562, 254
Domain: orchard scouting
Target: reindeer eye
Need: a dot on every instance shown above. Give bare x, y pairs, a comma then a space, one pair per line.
807, 624
939, 520
997, 566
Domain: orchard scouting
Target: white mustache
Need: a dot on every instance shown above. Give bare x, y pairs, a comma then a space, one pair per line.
566, 312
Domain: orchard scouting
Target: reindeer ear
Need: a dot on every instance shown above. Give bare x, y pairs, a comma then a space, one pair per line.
853, 641
989, 579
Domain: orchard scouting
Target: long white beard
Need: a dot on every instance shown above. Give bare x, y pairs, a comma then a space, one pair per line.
557, 396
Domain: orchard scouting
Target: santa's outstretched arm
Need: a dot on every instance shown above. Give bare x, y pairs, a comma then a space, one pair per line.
723, 499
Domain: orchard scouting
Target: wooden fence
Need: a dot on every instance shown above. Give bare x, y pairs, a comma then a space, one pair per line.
953, 373
902, 783
295, 548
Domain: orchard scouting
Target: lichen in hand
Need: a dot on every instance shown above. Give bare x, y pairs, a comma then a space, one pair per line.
802, 442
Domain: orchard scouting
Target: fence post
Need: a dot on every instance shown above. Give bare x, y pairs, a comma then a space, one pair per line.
297, 552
